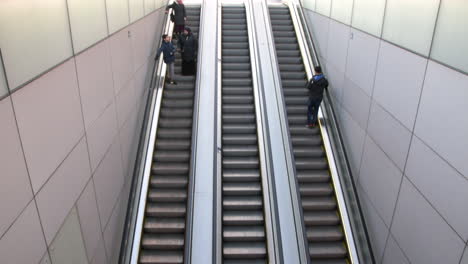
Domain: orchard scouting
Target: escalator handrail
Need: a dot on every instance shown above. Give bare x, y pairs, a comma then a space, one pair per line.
291, 169
144, 173
267, 177
361, 249
191, 180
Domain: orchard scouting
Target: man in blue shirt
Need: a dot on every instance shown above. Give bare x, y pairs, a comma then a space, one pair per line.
168, 49
316, 87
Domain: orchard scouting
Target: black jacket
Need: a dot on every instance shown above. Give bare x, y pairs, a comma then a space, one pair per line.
317, 86
189, 47
179, 13
168, 49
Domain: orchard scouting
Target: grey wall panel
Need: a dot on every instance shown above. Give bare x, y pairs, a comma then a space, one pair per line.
399, 80
354, 137
337, 50
320, 32
393, 253
357, 102
380, 178
421, 232
362, 60
389, 134
442, 119
336, 80
449, 197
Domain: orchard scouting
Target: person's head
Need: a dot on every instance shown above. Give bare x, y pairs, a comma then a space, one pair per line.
318, 69
180, 2
187, 30
166, 38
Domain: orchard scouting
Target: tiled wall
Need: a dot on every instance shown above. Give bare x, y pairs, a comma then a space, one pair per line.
401, 93
69, 129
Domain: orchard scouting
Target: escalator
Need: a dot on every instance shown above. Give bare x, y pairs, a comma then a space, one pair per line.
163, 234
243, 221
321, 217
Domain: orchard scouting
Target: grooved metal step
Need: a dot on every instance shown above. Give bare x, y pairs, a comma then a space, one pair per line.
326, 241
243, 234
163, 234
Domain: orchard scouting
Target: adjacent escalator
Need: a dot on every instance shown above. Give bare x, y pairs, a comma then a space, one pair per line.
163, 238
243, 224
324, 232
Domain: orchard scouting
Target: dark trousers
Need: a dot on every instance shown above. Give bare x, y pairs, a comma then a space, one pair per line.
312, 110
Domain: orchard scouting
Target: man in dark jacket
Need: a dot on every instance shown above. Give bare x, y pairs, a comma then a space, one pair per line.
180, 16
168, 49
316, 87
189, 46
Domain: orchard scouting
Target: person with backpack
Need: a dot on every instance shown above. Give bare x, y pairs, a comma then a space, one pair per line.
168, 49
316, 87
189, 47
179, 17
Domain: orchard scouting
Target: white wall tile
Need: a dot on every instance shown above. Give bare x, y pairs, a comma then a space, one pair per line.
60, 193
101, 135
100, 256
89, 220
136, 10
309, 4
15, 189
393, 253
357, 102
389, 134
380, 178
336, 81
418, 228
400, 75
319, 27
24, 236
444, 101
368, 15
342, 11
323, 7
95, 80
122, 61
354, 137
142, 80
126, 101
117, 14
139, 40
411, 23
49, 120
68, 246
337, 51
149, 6
450, 37
108, 181
445, 188
376, 228
362, 60
153, 35
88, 22
24, 22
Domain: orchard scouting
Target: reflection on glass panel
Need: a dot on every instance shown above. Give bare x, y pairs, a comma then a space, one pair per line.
411, 23
3, 85
34, 36
323, 7
136, 10
368, 16
117, 14
149, 6
341, 10
450, 44
88, 22
309, 4
68, 246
